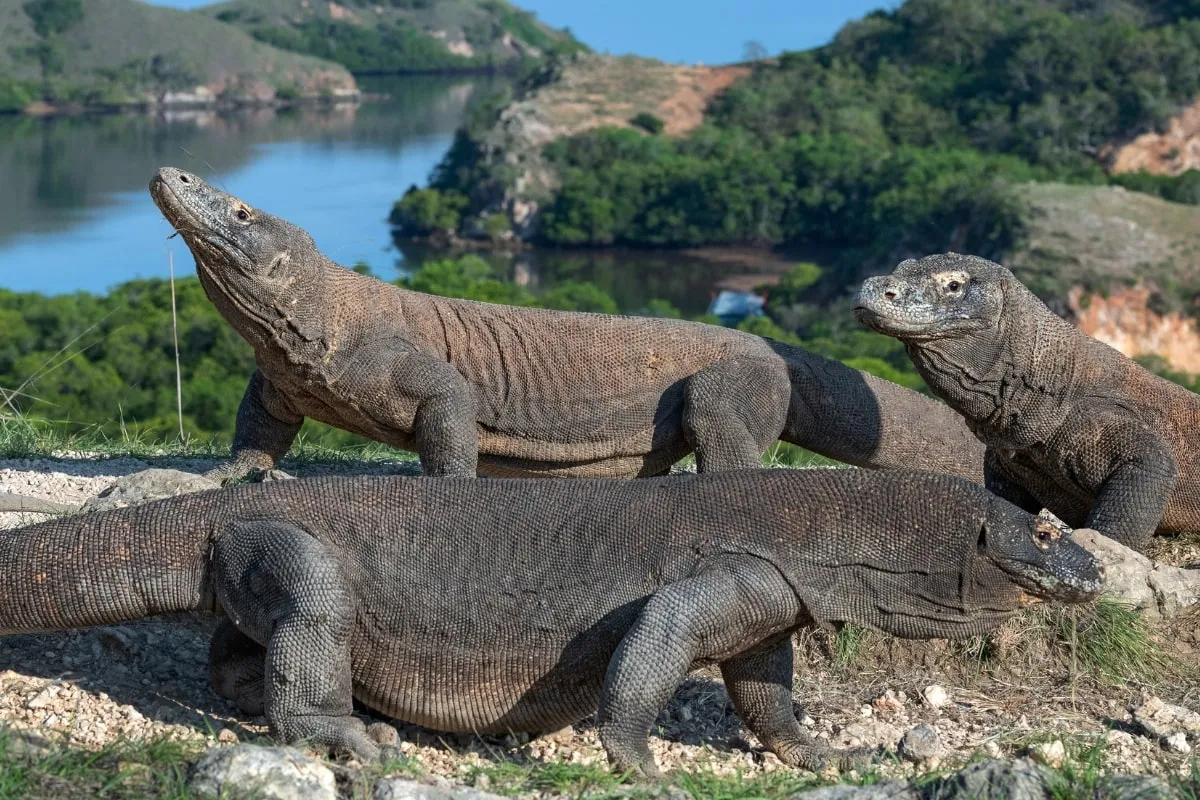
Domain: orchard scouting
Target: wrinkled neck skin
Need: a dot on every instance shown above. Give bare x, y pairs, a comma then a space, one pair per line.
1010, 381
276, 308
951, 594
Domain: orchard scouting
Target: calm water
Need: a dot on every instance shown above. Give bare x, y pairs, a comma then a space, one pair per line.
75, 213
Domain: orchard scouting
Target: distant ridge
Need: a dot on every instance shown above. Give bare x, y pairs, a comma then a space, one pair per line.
397, 36
122, 52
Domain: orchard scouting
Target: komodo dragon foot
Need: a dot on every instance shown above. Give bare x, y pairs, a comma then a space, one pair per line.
233, 472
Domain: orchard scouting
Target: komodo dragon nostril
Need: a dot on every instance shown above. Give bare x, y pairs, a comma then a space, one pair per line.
185, 179
890, 295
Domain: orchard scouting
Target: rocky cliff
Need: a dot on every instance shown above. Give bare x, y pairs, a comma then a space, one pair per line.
1172, 151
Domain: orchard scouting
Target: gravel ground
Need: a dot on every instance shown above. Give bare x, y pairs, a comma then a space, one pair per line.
150, 678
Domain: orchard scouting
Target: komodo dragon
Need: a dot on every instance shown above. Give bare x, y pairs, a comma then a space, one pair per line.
520, 391
507, 605
1070, 424
16, 502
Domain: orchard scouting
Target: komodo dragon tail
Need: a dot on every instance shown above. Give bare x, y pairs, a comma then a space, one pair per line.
102, 568
16, 502
856, 418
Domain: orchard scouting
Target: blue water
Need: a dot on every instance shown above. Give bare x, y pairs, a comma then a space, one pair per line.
75, 214
341, 197
80, 217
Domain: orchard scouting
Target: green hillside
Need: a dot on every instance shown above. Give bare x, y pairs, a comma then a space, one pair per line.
125, 51
911, 132
399, 35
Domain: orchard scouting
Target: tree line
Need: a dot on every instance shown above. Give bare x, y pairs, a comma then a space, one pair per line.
905, 135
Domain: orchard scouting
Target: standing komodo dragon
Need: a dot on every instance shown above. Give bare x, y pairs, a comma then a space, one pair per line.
505, 605
519, 391
1070, 424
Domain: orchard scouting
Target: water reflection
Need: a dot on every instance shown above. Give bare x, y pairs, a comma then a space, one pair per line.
75, 213
688, 279
74, 187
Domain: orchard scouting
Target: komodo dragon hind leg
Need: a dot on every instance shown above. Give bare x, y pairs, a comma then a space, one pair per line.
284, 589
733, 410
760, 686
235, 667
733, 606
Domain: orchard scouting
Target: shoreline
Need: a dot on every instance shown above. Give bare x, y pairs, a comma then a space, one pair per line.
41, 108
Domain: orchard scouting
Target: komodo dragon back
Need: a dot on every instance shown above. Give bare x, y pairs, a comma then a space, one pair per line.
522, 392
519, 605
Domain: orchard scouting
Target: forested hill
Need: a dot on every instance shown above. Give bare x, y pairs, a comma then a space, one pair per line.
913, 131
120, 52
400, 35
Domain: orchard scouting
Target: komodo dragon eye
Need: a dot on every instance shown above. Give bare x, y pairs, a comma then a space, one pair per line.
1043, 537
243, 214
954, 286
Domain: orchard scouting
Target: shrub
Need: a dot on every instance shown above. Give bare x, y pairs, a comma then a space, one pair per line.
648, 122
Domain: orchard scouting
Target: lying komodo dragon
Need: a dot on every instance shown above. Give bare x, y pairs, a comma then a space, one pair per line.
1070, 424
493, 606
519, 391
16, 502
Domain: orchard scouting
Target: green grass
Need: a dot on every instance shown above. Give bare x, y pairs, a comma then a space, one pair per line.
153, 768
848, 643
597, 781
27, 437
783, 454
1113, 643
1080, 774
574, 780
22, 437
157, 768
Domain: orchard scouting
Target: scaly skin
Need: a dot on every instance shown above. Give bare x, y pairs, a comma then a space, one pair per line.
518, 391
1070, 424
504, 605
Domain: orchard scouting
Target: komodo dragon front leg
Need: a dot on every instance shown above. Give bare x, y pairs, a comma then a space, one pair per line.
266, 427
399, 393
727, 613
1128, 468
285, 590
760, 685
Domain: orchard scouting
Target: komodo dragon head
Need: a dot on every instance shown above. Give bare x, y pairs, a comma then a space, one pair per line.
259, 270
936, 297
1039, 557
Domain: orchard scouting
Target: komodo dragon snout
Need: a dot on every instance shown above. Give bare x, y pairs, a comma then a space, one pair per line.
918, 301
1040, 558
232, 242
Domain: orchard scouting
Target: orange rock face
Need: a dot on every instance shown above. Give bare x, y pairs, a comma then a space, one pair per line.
1123, 321
1169, 153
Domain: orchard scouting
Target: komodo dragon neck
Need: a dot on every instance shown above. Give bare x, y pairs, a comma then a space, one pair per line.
301, 316
997, 381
